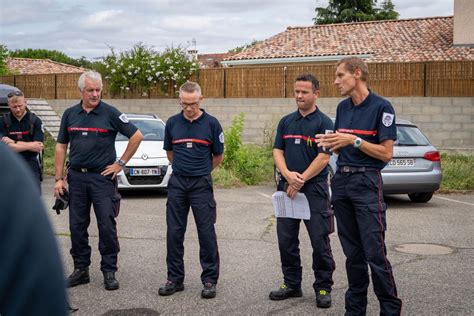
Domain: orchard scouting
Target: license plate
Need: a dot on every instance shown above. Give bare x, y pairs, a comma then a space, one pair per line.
145, 171
401, 163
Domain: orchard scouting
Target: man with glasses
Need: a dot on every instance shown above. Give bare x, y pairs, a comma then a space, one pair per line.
23, 132
194, 144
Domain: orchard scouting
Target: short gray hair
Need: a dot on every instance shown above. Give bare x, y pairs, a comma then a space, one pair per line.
190, 87
91, 74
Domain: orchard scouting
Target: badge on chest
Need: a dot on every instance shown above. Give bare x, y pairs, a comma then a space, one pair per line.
189, 145
297, 141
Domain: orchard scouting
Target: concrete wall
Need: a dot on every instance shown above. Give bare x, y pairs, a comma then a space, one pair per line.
463, 33
447, 122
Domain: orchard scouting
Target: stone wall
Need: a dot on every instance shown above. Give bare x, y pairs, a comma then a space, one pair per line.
447, 122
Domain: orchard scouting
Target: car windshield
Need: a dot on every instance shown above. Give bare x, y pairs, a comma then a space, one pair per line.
410, 136
151, 129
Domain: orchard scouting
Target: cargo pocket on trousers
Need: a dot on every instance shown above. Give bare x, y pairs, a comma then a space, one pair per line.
328, 220
213, 207
377, 215
116, 203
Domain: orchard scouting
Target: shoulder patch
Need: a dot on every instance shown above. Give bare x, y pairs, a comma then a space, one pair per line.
387, 119
221, 137
123, 118
42, 128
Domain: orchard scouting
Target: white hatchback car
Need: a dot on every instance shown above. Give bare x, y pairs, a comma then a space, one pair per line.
149, 167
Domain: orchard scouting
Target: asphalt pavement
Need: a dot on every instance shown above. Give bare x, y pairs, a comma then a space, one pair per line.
429, 283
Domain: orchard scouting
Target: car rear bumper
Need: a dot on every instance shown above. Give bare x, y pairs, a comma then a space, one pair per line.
125, 181
412, 182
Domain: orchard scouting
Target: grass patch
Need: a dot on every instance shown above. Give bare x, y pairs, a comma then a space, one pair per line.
48, 158
458, 172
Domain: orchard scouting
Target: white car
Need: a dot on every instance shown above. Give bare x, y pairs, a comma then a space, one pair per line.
149, 167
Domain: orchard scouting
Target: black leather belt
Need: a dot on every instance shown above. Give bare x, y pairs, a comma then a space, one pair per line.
84, 170
349, 169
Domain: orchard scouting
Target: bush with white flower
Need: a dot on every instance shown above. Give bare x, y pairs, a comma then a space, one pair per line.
142, 69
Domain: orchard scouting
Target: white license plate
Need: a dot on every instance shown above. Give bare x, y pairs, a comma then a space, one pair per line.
145, 171
401, 163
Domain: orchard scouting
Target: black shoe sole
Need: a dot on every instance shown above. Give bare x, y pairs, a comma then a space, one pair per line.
112, 288
79, 282
319, 305
178, 288
208, 295
281, 298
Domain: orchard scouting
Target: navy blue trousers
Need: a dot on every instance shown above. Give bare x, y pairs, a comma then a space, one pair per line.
86, 189
197, 193
360, 213
35, 169
319, 226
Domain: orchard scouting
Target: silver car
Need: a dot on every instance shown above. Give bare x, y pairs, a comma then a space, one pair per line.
415, 168
149, 167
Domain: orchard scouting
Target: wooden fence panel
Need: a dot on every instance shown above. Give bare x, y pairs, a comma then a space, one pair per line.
37, 86
10, 80
66, 86
324, 74
397, 79
211, 82
265, 82
450, 79
235, 86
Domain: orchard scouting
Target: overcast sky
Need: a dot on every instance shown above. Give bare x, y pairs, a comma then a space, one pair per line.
89, 28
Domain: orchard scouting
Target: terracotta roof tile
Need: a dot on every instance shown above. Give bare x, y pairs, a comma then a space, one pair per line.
212, 60
410, 40
30, 66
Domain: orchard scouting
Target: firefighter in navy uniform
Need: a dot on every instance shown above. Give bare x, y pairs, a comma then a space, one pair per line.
365, 134
304, 168
194, 143
90, 128
22, 131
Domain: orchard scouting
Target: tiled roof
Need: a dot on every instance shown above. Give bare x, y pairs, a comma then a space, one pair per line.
410, 40
30, 66
212, 60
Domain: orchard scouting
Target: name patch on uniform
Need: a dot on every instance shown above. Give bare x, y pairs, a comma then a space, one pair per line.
84, 133
387, 119
328, 131
221, 137
123, 118
189, 145
297, 141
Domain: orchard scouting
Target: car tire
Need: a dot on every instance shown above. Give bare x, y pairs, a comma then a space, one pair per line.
420, 197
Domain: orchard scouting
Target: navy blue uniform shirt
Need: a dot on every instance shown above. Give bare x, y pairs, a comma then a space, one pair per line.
193, 143
20, 131
296, 137
373, 120
92, 135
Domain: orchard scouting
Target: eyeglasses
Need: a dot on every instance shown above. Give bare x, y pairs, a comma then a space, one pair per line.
15, 94
185, 105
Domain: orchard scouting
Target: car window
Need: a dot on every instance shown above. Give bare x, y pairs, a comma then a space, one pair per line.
152, 130
410, 136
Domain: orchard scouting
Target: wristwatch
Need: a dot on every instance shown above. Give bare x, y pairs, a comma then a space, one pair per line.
58, 179
357, 142
121, 163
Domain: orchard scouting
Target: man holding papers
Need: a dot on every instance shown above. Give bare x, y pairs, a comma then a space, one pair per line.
303, 166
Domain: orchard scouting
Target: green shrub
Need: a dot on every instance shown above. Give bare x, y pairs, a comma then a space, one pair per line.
458, 172
233, 141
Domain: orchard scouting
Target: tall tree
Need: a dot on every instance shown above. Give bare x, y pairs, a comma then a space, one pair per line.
3, 60
346, 11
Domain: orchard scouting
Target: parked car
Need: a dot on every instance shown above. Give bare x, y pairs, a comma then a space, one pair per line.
415, 168
149, 167
5, 89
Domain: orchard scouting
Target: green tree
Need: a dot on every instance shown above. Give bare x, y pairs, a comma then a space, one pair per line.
53, 55
141, 68
347, 11
3, 60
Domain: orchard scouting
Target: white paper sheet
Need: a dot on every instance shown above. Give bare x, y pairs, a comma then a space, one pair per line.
298, 207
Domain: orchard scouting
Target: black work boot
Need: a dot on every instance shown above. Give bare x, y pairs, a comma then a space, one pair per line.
78, 276
285, 292
323, 299
208, 290
110, 282
170, 288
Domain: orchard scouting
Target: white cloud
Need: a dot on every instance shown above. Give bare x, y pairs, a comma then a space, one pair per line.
101, 18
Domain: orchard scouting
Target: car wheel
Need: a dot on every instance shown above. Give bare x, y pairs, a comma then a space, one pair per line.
420, 197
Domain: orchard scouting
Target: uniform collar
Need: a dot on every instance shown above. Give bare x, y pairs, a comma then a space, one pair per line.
198, 120
310, 116
364, 103
97, 110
